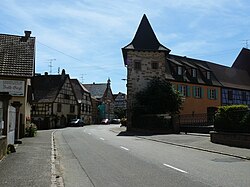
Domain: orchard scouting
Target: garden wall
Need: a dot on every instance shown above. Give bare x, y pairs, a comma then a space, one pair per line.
232, 139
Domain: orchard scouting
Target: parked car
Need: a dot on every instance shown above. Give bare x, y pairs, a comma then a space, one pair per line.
115, 121
105, 121
76, 123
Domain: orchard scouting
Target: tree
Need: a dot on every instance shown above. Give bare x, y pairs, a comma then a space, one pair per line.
158, 97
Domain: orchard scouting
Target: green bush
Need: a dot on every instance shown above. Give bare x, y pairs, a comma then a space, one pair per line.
30, 130
124, 122
233, 118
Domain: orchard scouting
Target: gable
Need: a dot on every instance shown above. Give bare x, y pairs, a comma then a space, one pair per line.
46, 87
66, 94
243, 60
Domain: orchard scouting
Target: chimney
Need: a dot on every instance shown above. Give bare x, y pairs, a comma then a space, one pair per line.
26, 36
63, 74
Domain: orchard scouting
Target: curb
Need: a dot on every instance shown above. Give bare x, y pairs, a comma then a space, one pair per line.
197, 148
190, 147
56, 179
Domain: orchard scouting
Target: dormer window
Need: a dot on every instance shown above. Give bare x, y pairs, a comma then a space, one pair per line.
179, 70
194, 73
208, 75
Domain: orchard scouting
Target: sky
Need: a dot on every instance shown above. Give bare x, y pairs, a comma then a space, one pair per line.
85, 37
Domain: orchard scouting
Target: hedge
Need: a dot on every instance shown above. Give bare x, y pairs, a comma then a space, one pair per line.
233, 118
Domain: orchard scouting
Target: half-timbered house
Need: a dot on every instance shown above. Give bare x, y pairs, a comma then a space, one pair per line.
54, 102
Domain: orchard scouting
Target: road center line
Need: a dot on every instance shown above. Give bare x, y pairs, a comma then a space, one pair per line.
175, 168
101, 138
124, 148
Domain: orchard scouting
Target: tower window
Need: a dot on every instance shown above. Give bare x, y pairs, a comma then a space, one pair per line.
137, 65
155, 65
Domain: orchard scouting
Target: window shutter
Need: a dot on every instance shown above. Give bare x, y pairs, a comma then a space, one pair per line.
201, 92
179, 87
208, 93
193, 91
188, 91
216, 93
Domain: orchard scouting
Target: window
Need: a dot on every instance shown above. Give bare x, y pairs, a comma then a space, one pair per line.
66, 96
59, 107
184, 90
137, 65
72, 108
230, 94
243, 96
155, 65
194, 73
82, 108
197, 92
212, 94
208, 75
179, 70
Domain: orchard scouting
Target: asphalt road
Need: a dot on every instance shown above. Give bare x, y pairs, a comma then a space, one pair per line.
95, 156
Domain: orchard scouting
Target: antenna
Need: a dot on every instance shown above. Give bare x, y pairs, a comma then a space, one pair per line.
50, 65
82, 77
246, 42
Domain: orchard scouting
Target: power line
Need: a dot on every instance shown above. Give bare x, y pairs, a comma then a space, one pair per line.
59, 51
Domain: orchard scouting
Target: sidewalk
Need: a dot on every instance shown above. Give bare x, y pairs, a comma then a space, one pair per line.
30, 165
191, 140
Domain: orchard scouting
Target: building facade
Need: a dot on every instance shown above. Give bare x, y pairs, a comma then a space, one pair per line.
204, 85
17, 66
54, 101
103, 99
84, 106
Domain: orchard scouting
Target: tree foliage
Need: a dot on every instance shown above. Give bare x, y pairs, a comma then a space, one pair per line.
158, 97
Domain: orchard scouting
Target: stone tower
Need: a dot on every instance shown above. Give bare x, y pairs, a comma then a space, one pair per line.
145, 59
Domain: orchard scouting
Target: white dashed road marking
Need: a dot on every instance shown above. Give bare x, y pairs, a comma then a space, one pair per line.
124, 148
177, 169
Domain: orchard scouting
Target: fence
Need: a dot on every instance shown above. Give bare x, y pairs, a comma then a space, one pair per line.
195, 122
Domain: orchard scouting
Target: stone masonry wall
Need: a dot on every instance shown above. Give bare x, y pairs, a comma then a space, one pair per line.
138, 79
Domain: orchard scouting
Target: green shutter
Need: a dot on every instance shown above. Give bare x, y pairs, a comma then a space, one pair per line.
208, 93
188, 91
216, 93
201, 92
179, 88
193, 91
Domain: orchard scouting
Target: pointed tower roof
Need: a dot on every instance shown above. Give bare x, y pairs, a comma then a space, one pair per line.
144, 40
243, 60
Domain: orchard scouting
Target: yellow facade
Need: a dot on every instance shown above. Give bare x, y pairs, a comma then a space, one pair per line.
210, 96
